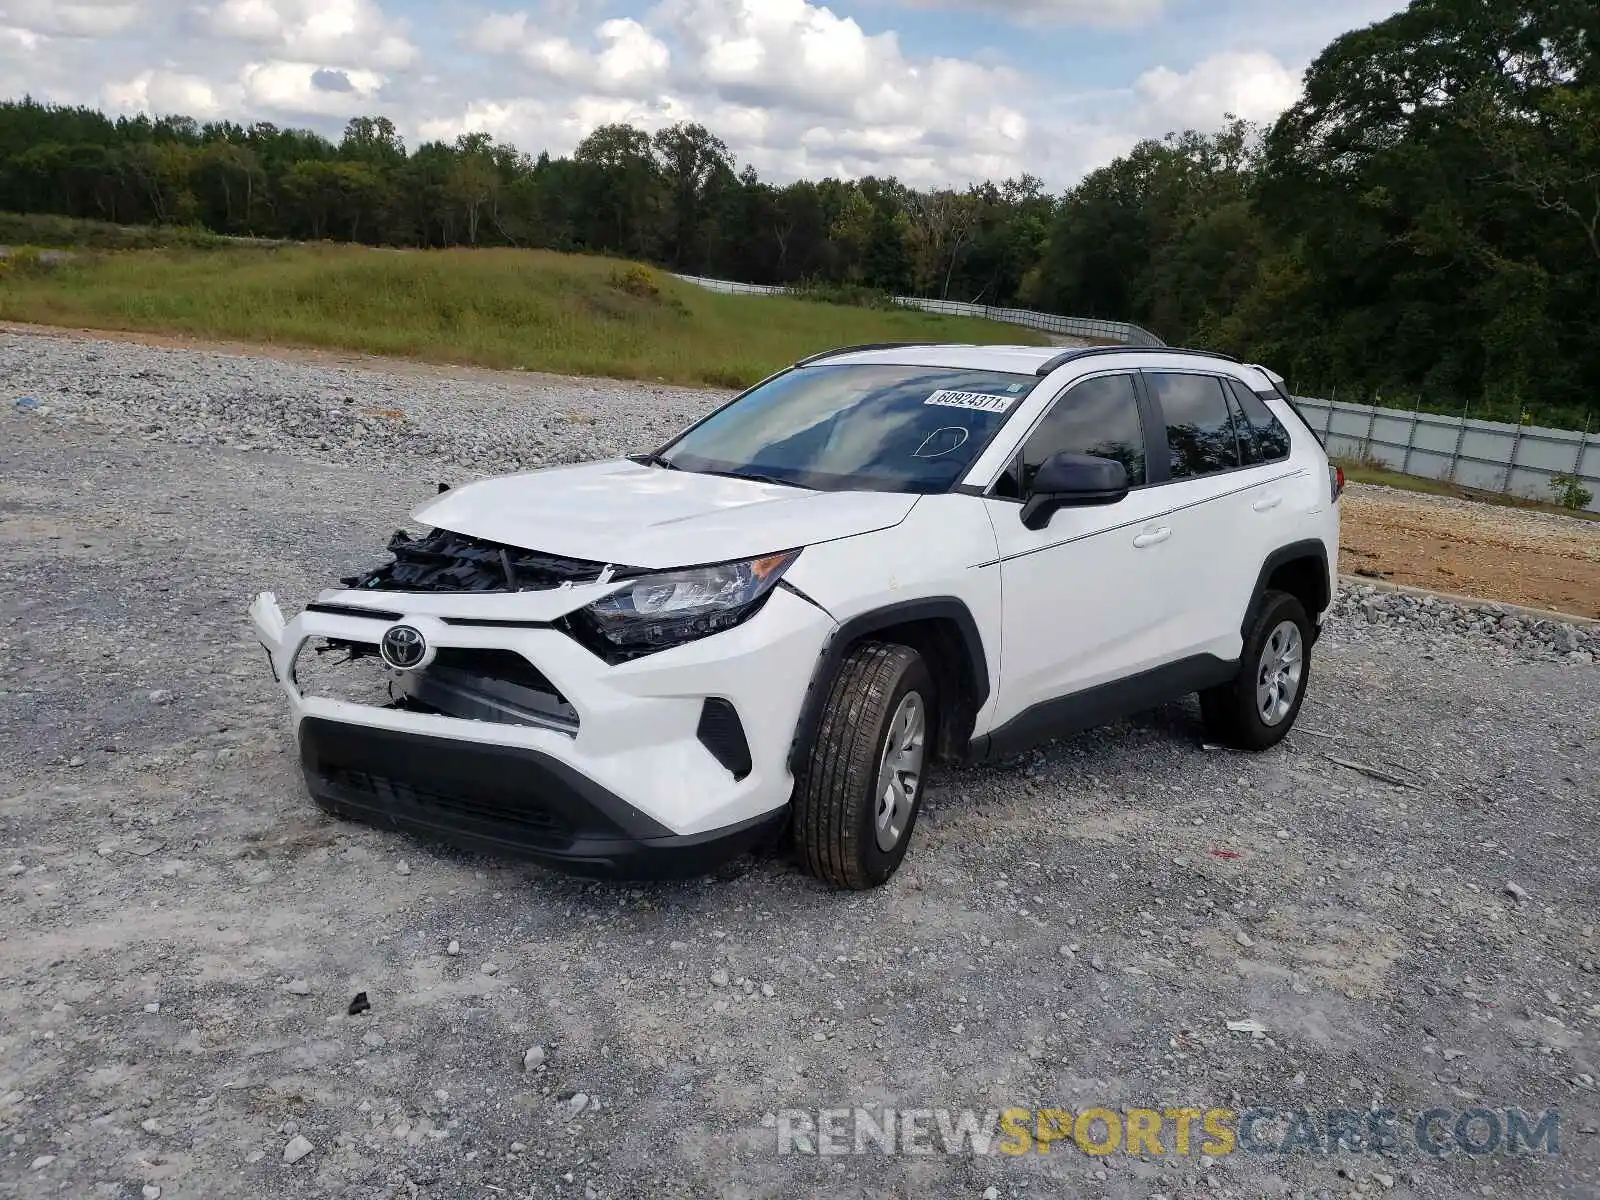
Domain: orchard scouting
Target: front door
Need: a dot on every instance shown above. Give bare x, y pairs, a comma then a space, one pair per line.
1087, 598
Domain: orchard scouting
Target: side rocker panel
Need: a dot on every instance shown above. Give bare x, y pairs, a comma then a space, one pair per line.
1100, 705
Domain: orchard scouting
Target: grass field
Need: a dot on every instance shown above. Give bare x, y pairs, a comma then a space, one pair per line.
527, 309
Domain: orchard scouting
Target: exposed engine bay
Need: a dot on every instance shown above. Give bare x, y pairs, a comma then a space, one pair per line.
445, 561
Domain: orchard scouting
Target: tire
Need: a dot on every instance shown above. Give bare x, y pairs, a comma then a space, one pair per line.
1238, 713
842, 833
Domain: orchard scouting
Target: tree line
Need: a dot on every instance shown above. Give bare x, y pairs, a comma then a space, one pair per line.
1422, 226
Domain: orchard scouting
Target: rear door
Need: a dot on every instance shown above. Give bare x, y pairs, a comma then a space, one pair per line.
1278, 505
1225, 493
1086, 598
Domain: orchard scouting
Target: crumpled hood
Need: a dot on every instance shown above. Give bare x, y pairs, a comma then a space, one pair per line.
626, 514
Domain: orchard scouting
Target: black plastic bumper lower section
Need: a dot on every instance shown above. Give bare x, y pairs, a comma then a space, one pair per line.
504, 800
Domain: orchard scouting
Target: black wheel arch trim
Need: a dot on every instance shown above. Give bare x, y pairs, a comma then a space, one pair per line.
853, 630
1309, 548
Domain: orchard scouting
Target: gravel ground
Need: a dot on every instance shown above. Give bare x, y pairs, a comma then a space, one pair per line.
184, 931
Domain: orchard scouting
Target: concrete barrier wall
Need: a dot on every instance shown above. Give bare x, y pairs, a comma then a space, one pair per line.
1519, 460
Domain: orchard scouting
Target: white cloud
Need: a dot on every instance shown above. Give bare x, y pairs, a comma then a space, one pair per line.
77, 18
277, 87
1056, 12
791, 85
629, 60
633, 57
15, 41
301, 87
500, 33
162, 92
1253, 85
788, 52
813, 92
342, 32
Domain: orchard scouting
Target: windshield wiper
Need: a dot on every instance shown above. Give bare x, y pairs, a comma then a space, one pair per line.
655, 460
756, 478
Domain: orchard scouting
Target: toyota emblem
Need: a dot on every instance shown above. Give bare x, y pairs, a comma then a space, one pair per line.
403, 647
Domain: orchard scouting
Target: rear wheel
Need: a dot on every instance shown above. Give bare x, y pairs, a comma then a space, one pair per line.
1257, 708
860, 786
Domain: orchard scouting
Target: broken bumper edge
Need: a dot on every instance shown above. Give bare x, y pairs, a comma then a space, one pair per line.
507, 801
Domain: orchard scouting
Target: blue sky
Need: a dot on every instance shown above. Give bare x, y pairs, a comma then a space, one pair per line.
938, 92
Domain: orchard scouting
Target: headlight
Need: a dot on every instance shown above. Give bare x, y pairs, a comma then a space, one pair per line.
673, 607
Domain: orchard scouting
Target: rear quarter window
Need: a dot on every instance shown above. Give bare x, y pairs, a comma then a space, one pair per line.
1262, 436
1267, 395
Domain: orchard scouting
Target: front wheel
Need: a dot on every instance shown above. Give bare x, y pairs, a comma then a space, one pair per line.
860, 787
1257, 708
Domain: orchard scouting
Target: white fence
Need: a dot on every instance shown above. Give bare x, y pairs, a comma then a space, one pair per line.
1084, 327
1517, 459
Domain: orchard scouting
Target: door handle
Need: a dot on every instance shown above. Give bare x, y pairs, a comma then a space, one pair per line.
1267, 504
1151, 537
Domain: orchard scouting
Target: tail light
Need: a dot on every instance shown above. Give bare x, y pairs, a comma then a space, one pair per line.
1336, 481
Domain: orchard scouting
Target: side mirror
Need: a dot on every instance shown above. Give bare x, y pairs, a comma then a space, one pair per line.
1072, 481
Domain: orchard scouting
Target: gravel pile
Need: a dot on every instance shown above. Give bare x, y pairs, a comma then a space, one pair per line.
460, 420
1476, 508
1363, 613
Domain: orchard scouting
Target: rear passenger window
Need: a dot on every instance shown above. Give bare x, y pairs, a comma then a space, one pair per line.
1098, 416
1262, 439
1200, 437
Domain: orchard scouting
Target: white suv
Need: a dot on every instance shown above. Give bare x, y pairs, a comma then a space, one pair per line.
777, 623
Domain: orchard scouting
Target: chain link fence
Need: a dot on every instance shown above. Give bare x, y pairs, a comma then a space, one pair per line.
1082, 327
1494, 456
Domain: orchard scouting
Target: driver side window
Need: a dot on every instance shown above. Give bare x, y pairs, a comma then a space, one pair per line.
1099, 416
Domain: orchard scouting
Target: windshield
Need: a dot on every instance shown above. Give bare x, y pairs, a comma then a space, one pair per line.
869, 427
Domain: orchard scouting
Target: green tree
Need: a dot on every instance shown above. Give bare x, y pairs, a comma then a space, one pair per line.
618, 191
695, 169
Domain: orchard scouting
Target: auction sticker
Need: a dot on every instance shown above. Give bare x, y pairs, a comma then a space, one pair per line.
973, 400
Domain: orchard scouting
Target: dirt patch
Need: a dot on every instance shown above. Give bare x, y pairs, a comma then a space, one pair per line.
1522, 557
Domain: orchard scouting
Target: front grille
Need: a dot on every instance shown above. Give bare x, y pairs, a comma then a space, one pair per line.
533, 820
445, 561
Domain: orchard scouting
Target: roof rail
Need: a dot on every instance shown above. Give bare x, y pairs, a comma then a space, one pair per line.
1052, 365
858, 349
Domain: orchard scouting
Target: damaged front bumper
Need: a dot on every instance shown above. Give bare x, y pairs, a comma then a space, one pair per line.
516, 739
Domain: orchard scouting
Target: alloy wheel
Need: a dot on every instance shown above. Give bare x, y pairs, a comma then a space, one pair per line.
900, 771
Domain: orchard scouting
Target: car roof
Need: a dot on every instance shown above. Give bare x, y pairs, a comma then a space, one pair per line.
1021, 360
